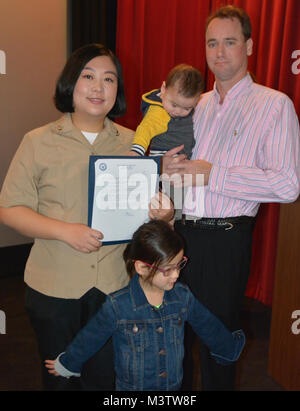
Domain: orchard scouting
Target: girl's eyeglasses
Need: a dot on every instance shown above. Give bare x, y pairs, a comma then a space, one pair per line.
169, 269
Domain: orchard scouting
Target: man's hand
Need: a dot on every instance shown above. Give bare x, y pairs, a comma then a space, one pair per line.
181, 171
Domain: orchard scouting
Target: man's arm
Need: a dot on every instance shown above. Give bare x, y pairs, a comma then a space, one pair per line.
180, 165
274, 178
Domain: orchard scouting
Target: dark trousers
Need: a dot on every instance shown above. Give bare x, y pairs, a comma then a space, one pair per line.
56, 321
217, 274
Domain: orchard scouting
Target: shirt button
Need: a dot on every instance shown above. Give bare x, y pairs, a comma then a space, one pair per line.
93, 266
163, 374
162, 352
159, 329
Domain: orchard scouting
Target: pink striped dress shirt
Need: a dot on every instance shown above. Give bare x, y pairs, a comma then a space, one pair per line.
252, 140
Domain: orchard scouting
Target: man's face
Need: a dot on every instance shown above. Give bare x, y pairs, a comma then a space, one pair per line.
226, 49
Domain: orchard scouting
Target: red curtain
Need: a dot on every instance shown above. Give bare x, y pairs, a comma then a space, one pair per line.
155, 35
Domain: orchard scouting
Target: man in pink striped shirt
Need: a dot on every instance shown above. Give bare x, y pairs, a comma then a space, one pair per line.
247, 150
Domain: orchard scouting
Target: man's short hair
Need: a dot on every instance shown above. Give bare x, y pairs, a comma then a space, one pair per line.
231, 12
187, 78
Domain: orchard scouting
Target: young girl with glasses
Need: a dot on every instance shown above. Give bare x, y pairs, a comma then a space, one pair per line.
146, 319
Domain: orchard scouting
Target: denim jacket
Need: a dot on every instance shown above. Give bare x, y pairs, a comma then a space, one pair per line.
148, 342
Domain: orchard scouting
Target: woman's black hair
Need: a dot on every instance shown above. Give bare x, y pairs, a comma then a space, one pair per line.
154, 243
63, 97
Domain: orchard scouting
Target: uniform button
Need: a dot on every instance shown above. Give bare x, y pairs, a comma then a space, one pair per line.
179, 321
159, 329
93, 266
135, 329
59, 128
162, 352
163, 374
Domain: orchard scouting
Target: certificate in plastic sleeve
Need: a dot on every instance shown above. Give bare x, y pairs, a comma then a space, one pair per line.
120, 190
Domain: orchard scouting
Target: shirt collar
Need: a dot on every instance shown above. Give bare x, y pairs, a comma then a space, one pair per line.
139, 299
65, 126
238, 89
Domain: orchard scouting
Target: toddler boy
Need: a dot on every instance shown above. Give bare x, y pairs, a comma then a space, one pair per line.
168, 113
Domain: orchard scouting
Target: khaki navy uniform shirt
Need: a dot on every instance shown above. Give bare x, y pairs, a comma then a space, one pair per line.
49, 174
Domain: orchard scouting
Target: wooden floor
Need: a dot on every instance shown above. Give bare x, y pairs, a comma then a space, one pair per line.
20, 365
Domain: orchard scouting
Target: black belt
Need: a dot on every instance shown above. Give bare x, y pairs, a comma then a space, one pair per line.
213, 223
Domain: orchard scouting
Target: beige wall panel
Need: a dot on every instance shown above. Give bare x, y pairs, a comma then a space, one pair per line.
33, 44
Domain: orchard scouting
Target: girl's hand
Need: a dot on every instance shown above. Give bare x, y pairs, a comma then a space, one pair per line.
81, 237
161, 208
50, 365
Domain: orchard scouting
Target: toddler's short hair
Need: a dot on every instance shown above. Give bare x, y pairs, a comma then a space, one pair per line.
187, 78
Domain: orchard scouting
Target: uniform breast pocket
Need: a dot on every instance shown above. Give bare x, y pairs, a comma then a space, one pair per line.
137, 335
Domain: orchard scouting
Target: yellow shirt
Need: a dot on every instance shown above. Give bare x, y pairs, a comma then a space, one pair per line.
155, 122
49, 174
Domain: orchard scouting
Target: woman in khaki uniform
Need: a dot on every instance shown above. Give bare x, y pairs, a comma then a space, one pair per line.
45, 196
